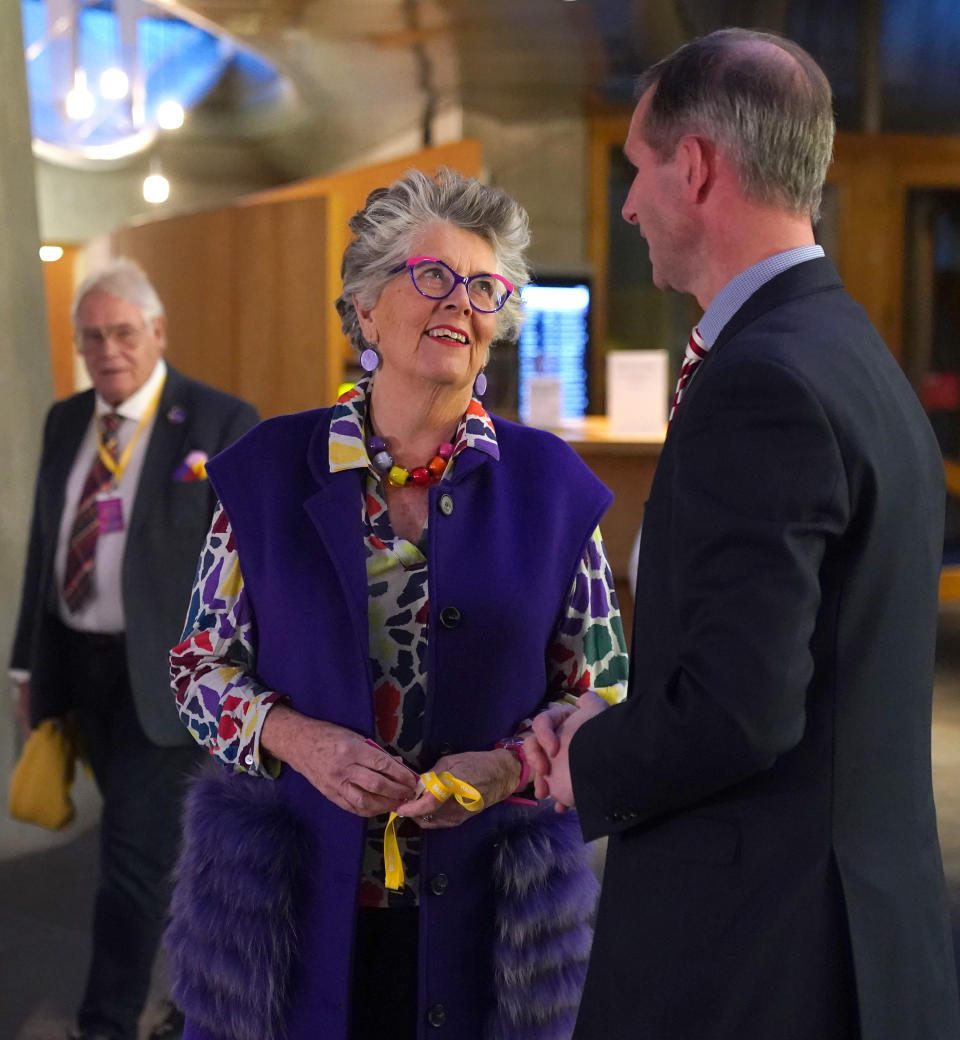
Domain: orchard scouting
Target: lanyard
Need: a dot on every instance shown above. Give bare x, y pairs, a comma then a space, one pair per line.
118, 467
441, 787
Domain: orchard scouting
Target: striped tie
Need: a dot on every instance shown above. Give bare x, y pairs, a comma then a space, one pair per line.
695, 353
78, 573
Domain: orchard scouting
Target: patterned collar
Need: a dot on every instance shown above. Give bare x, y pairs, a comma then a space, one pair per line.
348, 449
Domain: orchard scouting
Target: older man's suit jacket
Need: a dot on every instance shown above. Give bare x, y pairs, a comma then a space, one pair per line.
773, 870
167, 527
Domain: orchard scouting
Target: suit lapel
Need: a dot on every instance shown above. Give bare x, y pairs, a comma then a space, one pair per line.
167, 445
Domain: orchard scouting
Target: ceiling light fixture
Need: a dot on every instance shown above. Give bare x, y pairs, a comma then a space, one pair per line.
156, 187
114, 83
79, 102
170, 115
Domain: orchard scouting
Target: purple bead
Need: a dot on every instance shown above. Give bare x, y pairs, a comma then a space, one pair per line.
383, 461
376, 444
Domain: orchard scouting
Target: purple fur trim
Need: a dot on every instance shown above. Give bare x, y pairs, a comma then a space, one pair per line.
546, 895
244, 860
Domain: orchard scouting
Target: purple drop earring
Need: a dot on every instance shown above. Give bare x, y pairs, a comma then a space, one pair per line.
480, 384
370, 360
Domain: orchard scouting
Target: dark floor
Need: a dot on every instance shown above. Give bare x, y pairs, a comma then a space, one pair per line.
46, 882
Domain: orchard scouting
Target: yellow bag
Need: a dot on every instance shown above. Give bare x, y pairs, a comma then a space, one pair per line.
42, 778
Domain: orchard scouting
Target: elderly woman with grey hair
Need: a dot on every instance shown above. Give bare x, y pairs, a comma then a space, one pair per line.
391, 589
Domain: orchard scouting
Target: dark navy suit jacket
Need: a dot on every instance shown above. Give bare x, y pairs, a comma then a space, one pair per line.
773, 869
167, 528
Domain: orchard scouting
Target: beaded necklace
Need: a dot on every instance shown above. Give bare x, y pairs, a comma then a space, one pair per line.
384, 464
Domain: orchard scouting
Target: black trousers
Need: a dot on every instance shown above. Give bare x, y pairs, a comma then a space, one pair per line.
384, 999
142, 787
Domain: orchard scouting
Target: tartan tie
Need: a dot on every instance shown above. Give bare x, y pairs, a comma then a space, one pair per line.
78, 573
695, 353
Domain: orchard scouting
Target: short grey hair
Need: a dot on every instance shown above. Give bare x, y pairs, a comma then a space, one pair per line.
384, 231
125, 279
761, 99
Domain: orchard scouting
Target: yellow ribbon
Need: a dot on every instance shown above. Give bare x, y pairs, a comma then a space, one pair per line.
441, 787
118, 467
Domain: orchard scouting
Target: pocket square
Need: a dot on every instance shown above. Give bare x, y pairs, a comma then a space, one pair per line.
193, 467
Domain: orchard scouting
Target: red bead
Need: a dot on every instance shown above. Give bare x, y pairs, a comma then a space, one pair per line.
420, 476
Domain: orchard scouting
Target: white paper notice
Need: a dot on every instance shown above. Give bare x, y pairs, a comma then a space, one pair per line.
637, 391
544, 399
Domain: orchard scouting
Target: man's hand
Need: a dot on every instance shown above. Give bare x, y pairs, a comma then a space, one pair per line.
544, 742
22, 704
342, 765
547, 750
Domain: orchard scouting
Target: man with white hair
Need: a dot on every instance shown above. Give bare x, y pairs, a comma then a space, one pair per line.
121, 511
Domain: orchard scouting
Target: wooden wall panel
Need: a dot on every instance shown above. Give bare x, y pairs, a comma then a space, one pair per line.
58, 279
238, 285
189, 261
280, 295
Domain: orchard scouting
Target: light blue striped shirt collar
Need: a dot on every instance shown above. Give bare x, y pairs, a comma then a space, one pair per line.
739, 289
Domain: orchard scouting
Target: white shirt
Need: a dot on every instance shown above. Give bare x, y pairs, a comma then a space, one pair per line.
103, 612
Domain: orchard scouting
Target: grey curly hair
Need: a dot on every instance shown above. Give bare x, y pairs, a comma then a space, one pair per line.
384, 231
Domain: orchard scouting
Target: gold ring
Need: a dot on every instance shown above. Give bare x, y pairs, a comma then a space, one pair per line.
427, 817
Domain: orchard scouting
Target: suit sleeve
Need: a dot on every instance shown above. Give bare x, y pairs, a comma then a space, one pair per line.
758, 495
31, 594
244, 417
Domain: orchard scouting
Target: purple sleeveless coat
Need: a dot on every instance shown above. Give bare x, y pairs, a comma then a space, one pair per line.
263, 915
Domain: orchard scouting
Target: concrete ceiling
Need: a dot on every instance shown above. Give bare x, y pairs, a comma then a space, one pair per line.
371, 79
379, 69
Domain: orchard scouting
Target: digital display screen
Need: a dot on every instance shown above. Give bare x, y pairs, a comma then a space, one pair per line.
554, 342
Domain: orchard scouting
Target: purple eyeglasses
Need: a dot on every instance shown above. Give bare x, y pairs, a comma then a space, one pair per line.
436, 280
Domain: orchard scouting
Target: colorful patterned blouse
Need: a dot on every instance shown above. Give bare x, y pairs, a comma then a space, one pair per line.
224, 705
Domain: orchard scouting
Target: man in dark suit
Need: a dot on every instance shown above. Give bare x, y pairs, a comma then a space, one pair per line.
773, 870
121, 511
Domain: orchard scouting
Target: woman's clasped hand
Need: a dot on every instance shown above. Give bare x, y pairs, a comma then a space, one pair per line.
345, 767
493, 774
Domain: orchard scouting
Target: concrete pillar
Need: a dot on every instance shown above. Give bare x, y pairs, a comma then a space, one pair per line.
25, 385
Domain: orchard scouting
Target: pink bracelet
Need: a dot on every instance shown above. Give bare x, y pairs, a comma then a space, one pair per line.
515, 746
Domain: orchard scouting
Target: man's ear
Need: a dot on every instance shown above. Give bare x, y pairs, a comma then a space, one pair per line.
159, 326
698, 166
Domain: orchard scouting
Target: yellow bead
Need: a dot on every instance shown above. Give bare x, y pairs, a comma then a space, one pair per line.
398, 476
